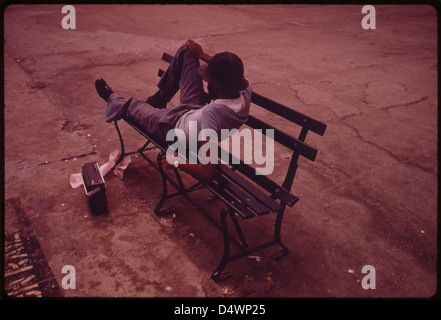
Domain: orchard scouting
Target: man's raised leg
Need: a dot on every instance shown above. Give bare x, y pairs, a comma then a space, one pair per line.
182, 74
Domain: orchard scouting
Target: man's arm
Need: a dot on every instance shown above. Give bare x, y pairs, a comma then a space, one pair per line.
197, 51
204, 172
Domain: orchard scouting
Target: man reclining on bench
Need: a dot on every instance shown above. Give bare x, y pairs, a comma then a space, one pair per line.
225, 106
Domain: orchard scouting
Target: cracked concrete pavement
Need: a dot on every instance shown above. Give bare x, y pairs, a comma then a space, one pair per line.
370, 198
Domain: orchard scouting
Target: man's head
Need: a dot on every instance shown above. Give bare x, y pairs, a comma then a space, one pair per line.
225, 73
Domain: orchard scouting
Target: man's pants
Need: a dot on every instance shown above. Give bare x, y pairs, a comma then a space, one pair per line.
182, 74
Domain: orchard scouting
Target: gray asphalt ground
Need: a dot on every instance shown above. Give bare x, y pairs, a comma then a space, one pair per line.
370, 198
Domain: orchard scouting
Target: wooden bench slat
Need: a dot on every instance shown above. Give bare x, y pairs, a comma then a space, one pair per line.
289, 114
262, 180
286, 140
232, 202
252, 189
167, 57
269, 185
246, 198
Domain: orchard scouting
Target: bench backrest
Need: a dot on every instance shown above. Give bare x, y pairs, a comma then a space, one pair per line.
296, 144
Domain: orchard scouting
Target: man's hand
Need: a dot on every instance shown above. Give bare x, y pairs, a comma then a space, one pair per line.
196, 50
204, 172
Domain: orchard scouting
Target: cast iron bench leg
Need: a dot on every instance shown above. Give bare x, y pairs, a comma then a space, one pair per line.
278, 227
217, 274
164, 184
239, 231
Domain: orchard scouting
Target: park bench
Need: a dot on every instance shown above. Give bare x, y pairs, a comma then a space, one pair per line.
245, 194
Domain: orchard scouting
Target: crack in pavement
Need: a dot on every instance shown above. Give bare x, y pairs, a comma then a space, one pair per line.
84, 155
405, 104
409, 162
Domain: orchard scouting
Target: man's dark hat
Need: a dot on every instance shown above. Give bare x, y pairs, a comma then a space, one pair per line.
225, 72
